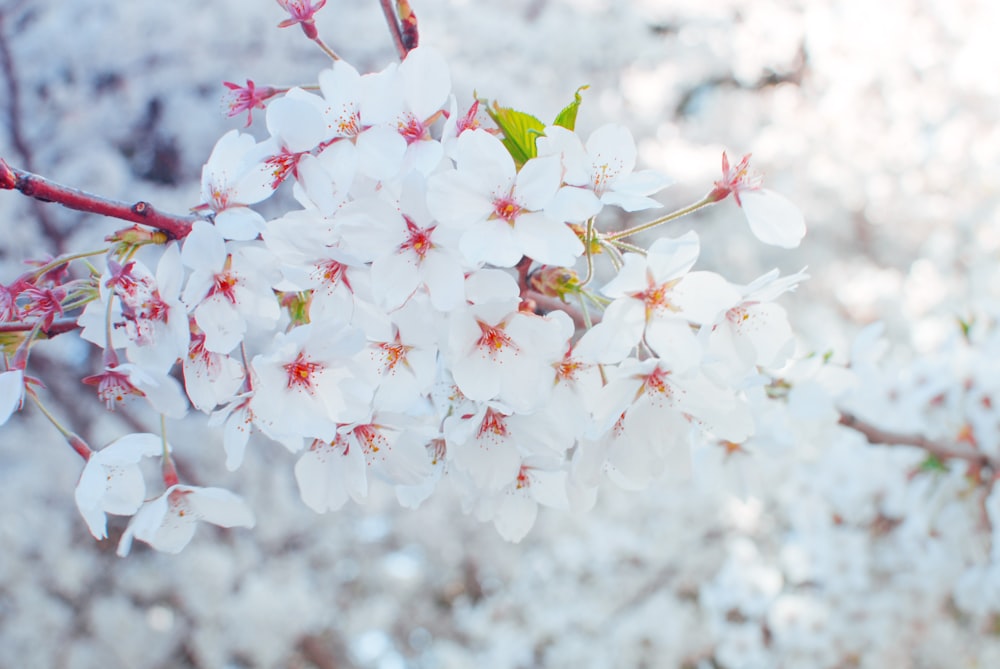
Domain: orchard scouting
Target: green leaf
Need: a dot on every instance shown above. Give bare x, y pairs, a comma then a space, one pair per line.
520, 131
567, 117
933, 464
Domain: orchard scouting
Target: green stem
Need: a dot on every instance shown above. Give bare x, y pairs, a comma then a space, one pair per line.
62, 260
78, 444
588, 240
704, 202
625, 246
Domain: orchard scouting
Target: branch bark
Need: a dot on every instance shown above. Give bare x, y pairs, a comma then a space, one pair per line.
143, 213
394, 28
876, 435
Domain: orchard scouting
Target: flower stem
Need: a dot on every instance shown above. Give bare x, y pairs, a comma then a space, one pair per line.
704, 202
170, 477
78, 444
62, 260
326, 49
394, 29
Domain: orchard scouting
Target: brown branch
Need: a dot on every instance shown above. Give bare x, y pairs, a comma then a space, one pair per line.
876, 435
59, 326
39, 188
394, 29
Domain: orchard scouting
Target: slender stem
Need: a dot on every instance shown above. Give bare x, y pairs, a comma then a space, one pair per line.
584, 312
62, 260
34, 186
107, 325
631, 248
170, 477
394, 29
326, 49
78, 444
588, 240
704, 202
616, 257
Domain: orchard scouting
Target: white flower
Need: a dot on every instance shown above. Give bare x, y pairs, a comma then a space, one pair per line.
168, 522
602, 173
111, 481
230, 181
772, 218
499, 210
656, 300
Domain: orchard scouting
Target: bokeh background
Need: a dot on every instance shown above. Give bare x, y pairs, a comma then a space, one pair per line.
878, 119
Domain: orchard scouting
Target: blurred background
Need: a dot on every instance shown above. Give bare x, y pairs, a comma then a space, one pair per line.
878, 119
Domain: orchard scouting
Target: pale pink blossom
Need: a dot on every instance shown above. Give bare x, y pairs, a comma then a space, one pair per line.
168, 522
111, 481
773, 219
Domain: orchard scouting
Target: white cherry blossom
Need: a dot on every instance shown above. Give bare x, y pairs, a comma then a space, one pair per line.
168, 522
111, 481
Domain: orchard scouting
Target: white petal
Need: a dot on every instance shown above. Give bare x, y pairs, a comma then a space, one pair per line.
426, 81
11, 393
221, 507
772, 218
515, 515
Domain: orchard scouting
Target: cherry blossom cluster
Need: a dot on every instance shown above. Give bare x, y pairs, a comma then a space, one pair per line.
419, 316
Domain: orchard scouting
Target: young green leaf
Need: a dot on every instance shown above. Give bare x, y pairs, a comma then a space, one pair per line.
520, 130
567, 117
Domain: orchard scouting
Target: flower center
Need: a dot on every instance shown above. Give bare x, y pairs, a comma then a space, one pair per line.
506, 208
301, 372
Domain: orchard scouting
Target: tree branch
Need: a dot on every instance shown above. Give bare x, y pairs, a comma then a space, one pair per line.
394, 29
59, 326
876, 435
39, 188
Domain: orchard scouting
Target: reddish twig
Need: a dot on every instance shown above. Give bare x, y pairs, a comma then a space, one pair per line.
59, 326
39, 188
410, 35
876, 435
394, 29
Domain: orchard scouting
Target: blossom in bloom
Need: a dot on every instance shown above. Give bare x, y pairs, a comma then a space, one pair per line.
773, 219
506, 355
422, 255
160, 389
232, 179
227, 291
657, 299
245, 98
210, 378
399, 106
168, 522
500, 211
112, 482
646, 416
302, 12
602, 172
541, 479
147, 317
331, 472
306, 383
755, 331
